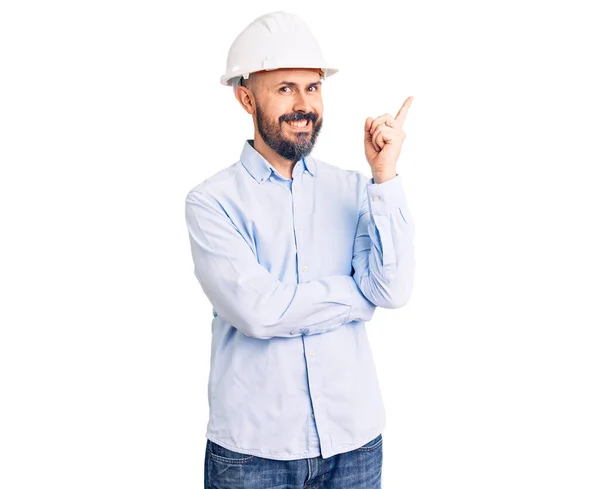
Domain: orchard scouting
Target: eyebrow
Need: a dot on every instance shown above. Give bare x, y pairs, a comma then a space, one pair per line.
293, 84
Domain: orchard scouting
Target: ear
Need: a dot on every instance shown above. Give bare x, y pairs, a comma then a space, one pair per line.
246, 99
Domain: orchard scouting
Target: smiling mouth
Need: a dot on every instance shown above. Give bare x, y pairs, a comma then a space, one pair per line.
299, 124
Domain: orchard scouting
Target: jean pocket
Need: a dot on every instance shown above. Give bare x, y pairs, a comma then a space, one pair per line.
374, 444
219, 453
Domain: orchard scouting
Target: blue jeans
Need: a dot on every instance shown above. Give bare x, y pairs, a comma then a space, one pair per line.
357, 469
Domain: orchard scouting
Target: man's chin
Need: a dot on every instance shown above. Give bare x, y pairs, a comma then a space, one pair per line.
298, 149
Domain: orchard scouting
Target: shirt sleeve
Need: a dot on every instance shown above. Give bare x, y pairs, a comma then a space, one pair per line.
248, 296
383, 258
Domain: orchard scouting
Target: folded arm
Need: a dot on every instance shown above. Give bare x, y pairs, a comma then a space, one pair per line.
248, 296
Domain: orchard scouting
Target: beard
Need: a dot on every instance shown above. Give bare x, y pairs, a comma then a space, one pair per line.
301, 143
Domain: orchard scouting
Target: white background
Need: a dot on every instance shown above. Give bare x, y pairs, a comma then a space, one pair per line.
111, 111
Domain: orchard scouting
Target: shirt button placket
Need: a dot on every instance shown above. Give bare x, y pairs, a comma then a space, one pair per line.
315, 386
296, 198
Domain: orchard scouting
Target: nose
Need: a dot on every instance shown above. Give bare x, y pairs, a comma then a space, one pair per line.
301, 102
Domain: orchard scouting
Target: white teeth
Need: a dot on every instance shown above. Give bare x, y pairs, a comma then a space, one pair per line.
298, 123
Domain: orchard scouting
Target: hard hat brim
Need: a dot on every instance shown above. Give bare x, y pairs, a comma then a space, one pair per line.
229, 78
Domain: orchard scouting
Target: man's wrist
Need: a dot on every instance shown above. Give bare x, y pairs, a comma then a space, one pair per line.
383, 177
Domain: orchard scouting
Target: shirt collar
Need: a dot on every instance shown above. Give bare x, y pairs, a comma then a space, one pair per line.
261, 169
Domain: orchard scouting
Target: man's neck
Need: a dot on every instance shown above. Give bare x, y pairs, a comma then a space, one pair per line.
283, 166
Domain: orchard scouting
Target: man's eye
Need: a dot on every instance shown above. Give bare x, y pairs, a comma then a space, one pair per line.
283, 89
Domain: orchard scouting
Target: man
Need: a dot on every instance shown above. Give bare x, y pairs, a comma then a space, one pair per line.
294, 254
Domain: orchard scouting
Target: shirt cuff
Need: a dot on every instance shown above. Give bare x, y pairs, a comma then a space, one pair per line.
387, 197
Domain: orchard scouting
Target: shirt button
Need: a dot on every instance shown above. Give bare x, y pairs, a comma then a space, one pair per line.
300, 228
376, 197
312, 415
316, 396
292, 332
312, 353
271, 178
305, 268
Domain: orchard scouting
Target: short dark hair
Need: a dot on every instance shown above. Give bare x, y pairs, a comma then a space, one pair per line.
243, 81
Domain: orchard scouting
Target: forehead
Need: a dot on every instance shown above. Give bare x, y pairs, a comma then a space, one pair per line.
295, 75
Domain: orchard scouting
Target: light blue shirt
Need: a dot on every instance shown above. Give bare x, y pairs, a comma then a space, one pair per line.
293, 270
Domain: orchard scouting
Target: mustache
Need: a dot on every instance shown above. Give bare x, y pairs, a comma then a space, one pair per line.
299, 116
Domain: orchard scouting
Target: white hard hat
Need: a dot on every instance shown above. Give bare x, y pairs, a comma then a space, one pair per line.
273, 41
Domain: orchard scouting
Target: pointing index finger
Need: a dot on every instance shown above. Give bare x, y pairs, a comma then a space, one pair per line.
401, 115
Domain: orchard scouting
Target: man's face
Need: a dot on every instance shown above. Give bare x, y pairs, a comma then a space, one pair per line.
289, 110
